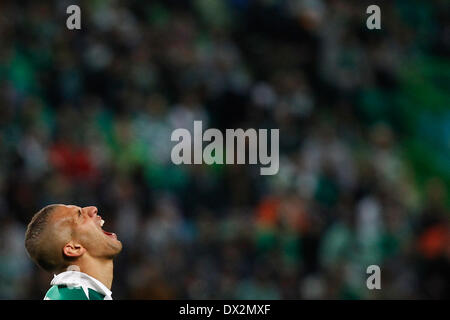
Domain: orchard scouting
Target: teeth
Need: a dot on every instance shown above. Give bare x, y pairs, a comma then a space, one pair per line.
102, 223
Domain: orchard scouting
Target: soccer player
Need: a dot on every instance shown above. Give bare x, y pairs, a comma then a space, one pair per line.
69, 241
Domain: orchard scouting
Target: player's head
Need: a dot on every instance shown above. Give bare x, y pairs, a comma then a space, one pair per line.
62, 235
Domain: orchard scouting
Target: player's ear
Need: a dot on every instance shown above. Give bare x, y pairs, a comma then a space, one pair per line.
73, 250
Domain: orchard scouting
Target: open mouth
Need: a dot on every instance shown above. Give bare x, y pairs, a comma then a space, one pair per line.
109, 234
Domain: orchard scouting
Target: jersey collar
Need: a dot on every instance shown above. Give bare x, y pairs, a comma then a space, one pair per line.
83, 280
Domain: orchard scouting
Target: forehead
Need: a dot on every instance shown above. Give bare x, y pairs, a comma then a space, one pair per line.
64, 212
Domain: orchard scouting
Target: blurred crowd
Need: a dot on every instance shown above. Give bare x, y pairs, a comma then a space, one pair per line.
86, 117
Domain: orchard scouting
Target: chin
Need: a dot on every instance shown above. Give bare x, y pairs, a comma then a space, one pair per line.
112, 248
118, 247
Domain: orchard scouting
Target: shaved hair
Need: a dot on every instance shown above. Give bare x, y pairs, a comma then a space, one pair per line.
41, 242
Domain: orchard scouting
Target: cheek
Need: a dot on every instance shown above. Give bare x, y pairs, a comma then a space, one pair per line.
89, 236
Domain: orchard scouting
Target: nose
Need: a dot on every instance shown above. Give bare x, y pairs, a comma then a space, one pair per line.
92, 211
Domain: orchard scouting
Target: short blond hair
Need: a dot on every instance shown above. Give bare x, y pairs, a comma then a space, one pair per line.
37, 233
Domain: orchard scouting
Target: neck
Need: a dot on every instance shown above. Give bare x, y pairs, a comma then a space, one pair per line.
100, 269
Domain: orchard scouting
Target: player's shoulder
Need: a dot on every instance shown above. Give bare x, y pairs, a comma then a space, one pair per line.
59, 292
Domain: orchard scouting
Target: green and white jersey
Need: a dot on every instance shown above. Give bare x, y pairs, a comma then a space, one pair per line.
75, 285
